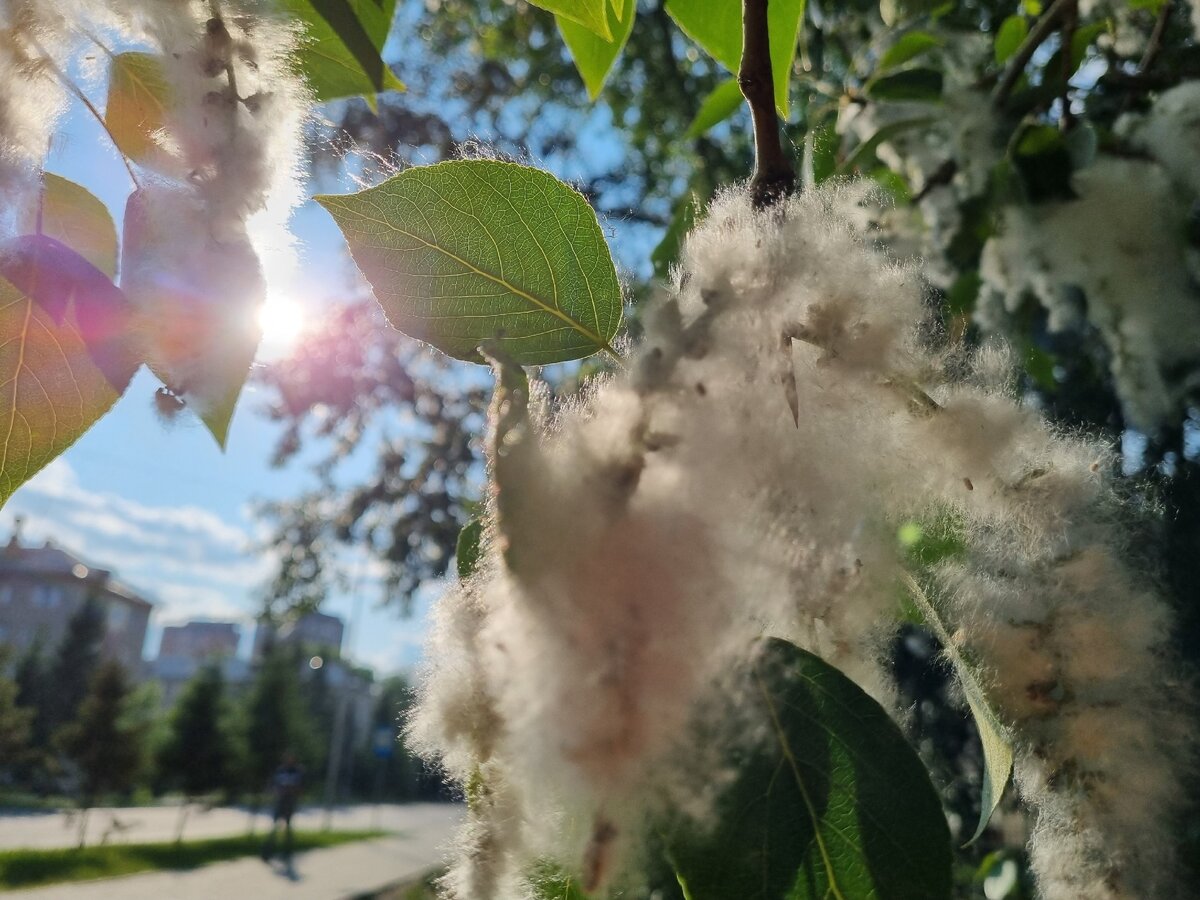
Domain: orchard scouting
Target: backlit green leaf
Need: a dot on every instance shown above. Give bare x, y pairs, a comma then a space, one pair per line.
196, 306
591, 14
51, 388
866, 150
466, 553
836, 804
136, 110
716, 25
73, 215
344, 40
1009, 37
468, 251
909, 46
594, 55
683, 220
918, 84
997, 748
721, 103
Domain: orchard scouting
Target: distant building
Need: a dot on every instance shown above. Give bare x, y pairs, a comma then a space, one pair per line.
174, 672
41, 588
200, 641
318, 633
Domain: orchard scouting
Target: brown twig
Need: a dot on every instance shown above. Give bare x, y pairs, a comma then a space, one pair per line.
1070, 19
774, 176
1041, 30
1154, 45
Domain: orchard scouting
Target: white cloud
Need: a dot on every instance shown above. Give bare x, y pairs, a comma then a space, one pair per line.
188, 560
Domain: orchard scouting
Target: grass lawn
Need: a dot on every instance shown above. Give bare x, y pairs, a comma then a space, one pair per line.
31, 868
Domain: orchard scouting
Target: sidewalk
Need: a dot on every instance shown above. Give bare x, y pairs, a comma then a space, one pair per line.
337, 873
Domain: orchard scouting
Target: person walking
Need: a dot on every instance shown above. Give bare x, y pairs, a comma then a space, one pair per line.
285, 789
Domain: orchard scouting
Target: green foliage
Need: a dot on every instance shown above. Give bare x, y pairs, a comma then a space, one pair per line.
275, 719
716, 25
997, 745
31, 868
341, 56
74, 216
16, 720
63, 359
593, 15
593, 53
200, 755
139, 96
909, 46
836, 804
916, 84
75, 662
721, 103
105, 744
473, 250
1010, 36
468, 549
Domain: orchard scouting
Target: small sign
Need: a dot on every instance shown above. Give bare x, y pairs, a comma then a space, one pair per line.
383, 744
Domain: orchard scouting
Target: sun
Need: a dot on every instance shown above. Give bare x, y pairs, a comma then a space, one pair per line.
281, 319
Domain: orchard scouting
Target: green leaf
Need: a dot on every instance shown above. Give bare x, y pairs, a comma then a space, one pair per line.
341, 55
139, 95
909, 46
594, 55
918, 84
997, 747
683, 220
716, 25
591, 14
549, 882
821, 146
197, 305
468, 548
1082, 39
1009, 37
835, 804
721, 103
65, 284
895, 11
866, 150
470, 250
53, 388
76, 217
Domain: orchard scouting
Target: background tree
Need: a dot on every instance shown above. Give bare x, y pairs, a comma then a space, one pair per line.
69, 679
105, 745
200, 754
16, 721
275, 719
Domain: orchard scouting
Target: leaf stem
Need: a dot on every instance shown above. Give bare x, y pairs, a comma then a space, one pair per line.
79, 95
774, 177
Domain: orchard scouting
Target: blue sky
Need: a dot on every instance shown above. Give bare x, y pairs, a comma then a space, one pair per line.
160, 504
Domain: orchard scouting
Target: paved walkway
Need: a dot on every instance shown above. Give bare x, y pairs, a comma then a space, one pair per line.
337, 873
158, 823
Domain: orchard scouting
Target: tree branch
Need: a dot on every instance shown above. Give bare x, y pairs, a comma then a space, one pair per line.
1154, 46
1037, 36
773, 174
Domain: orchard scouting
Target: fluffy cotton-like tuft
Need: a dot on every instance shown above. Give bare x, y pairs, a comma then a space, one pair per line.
745, 476
1126, 270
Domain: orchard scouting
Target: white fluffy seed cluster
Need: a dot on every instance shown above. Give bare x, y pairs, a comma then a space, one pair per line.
647, 536
225, 163
1126, 274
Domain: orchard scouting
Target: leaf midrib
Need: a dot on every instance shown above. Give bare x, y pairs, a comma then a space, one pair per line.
781, 736
496, 279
